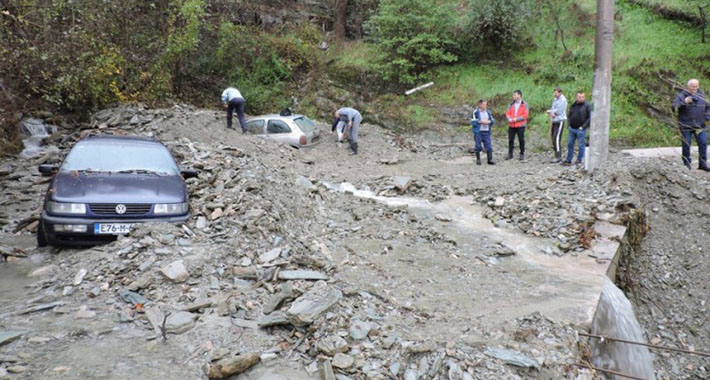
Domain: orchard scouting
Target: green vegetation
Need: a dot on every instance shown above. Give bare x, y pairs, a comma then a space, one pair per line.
80, 56
411, 36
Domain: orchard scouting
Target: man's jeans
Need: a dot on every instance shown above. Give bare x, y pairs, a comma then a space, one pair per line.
701, 139
579, 135
483, 138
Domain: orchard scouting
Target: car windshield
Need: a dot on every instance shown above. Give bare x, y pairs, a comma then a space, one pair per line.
120, 156
306, 124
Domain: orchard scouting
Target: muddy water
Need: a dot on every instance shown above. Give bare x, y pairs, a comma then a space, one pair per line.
13, 282
472, 288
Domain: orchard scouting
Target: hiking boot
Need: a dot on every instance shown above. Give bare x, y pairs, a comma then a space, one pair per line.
509, 156
704, 168
522, 156
567, 163
478, 158
489, 155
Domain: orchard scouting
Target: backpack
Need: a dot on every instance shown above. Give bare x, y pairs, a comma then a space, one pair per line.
285, 112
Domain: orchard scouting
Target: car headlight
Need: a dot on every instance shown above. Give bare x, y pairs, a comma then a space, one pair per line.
66, 208
170, 208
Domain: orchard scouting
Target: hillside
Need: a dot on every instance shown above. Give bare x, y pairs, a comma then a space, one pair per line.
77, 58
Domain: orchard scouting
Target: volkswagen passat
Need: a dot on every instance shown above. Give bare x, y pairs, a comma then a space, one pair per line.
107, 184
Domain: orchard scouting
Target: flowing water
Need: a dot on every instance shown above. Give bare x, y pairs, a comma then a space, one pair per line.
34, 131
615, 319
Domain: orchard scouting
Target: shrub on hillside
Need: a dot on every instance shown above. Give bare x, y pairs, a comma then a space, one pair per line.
412, 36
497, 24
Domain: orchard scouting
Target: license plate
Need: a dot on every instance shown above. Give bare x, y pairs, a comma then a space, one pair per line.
112, 228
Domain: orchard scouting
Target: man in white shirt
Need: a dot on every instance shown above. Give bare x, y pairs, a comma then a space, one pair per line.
233, 100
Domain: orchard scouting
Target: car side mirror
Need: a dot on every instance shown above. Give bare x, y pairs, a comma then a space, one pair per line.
189, 173
48, 169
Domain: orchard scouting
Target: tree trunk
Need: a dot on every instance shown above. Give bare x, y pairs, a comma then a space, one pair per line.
340, 8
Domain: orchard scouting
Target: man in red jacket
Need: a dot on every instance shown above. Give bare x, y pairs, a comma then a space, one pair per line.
517, 115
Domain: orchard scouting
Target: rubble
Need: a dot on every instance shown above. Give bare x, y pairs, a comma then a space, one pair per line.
269, 250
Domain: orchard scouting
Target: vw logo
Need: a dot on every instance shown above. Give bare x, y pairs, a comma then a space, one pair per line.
120, 209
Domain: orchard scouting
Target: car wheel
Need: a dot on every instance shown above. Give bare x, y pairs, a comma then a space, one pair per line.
41, 236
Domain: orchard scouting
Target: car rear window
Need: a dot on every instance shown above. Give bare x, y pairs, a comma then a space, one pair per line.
307, 125
116, 156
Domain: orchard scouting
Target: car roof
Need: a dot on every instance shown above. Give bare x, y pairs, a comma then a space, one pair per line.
277, 116
136, 139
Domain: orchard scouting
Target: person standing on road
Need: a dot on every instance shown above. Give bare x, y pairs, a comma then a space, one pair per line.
580, 115
233, 100
482, 122
517, 115
693, 111
558, 116
352, 119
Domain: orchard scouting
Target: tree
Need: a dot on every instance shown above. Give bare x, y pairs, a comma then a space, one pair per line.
412, 36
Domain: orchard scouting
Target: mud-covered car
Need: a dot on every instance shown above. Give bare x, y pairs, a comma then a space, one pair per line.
297, 131
107, 184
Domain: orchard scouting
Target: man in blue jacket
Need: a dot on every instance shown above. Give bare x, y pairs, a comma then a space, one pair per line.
693, 111
482, 122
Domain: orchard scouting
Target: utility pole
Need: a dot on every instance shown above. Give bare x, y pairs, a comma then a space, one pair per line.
601, 90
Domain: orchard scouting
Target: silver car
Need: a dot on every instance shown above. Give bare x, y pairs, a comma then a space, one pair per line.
297, 131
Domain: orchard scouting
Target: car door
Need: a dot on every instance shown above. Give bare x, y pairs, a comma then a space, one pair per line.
278, 130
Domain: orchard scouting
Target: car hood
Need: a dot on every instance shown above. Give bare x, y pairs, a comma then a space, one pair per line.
117, 188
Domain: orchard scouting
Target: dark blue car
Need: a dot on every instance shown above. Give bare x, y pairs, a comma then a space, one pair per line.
106, 185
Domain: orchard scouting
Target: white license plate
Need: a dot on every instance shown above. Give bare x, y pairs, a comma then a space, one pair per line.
112, 228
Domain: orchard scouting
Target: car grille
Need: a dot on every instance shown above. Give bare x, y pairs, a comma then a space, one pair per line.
110, 209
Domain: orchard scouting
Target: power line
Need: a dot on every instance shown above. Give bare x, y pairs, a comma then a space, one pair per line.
603, 338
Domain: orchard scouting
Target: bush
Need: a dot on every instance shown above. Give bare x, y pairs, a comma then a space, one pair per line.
412, 36
500, 24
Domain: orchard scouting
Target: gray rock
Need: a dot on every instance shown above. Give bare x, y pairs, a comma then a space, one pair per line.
270, 255
394, 369
327, 371
512, 357
180, 322
201, 222
5, 169
402, 183
302, 275
10, 336
499, 202
359, 329
175, 271
332, 344
411, 374
273, 319
132, 297
343, 361
85, 313
310, 305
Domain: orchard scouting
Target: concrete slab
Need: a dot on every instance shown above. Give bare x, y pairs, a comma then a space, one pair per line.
658, 152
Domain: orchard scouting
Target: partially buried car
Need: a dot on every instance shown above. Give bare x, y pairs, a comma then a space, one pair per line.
297, 131
107, 184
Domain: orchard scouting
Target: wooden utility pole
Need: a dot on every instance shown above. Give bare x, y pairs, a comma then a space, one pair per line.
601, 90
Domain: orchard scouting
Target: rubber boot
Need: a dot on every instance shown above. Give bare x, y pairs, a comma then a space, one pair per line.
478, 158
489, 154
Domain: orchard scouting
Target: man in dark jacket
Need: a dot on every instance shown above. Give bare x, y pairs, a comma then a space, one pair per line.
579, 117
693, 110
